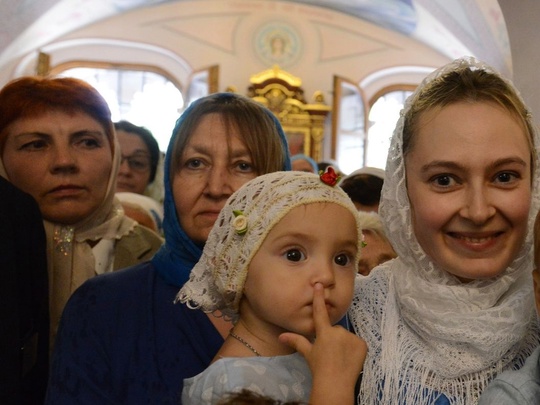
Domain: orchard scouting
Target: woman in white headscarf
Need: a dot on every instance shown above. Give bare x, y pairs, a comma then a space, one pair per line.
458, 203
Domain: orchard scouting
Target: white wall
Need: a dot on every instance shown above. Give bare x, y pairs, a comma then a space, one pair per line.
523, 24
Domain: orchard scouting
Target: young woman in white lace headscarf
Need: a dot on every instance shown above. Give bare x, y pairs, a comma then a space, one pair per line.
455, 307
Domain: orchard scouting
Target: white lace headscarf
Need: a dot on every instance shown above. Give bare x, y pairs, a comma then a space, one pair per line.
217, 281
427, 332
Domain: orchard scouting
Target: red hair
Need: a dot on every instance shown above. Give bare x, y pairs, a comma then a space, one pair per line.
30, 97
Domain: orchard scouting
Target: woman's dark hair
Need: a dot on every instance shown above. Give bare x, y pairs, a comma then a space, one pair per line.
148, 140
363, 188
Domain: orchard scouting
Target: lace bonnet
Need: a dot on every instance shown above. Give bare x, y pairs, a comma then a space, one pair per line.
217, 280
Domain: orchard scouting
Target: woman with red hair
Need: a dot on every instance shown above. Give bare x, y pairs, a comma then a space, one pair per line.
57, 143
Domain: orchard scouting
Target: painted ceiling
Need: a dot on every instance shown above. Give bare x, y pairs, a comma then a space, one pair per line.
453, 27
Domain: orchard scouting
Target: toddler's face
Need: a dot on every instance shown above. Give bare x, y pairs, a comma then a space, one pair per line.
313, 243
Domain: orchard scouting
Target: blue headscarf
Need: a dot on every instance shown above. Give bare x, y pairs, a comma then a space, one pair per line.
301, 156
179, 253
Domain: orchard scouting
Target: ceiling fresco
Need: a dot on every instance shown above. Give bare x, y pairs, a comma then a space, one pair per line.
451, 26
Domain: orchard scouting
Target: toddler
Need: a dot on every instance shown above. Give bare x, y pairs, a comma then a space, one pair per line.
281, 261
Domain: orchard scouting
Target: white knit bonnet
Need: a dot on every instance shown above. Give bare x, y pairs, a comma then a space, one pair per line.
217, 280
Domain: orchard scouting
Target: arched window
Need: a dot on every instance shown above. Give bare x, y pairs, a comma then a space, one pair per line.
383, 116
361, 135
143, 97
349, 125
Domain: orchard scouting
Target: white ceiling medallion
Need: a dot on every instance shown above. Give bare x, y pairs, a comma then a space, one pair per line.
277, 43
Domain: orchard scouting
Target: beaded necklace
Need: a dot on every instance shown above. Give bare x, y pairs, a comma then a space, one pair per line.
235, 336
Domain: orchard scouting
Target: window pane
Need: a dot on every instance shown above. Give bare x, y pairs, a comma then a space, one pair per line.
383, 117
351, 131
141, 97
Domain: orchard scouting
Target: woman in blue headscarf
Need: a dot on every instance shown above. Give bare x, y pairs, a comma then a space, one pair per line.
304, 163
122, 339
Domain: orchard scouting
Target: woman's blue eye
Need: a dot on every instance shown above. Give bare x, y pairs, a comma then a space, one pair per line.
342, 259
194, 163
505, 177
294, 255
443, 181
245, 167
90, 143
38, 144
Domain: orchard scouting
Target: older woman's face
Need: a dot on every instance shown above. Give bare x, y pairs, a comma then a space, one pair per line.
214, 164
377, 251
135, 167
62, 160
302, 165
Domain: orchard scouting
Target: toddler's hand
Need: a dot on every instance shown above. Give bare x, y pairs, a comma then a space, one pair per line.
335, 358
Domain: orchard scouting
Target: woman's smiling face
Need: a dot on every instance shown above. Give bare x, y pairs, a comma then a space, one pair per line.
469, 185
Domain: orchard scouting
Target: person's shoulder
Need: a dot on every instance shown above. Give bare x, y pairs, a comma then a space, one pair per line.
138, 273
285, 367
110, 290
15, 200
235, 366
9, 190
143, 234
229, 374
126, 281
289, 368
148, 234
214, 380
527, 375
516, 386
137, 246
